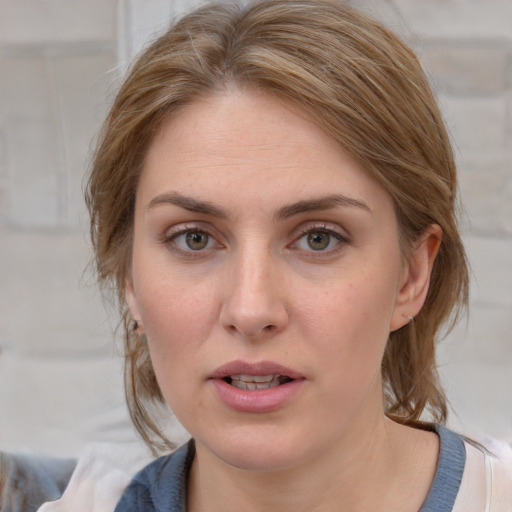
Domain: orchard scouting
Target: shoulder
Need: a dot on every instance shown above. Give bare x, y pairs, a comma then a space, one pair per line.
139, 494
487, 480
26, 480
102, 473
160, 484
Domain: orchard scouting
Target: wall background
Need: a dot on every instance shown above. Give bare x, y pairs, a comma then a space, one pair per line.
60, 62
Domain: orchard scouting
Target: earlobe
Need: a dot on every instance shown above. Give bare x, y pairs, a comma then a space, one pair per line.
131, 302
416, 277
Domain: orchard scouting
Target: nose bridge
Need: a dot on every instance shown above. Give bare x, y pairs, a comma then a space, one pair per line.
254, 306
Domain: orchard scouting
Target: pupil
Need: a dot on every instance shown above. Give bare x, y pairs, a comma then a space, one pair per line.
197, 241
318, 241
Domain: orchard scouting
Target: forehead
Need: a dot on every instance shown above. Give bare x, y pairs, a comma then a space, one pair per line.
236, 124
240, 146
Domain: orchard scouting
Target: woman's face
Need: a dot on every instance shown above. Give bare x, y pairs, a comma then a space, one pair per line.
267, 277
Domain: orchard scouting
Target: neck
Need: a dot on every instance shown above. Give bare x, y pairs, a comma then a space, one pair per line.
367, 468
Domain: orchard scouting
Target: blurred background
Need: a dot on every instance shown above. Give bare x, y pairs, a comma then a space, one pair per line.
60, 64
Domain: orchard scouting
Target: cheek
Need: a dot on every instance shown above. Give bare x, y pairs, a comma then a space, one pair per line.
357, 304
177, 317
350, 368
177, 323
349, 325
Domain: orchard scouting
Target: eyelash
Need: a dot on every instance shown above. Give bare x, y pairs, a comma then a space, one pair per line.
168, 240
322, 228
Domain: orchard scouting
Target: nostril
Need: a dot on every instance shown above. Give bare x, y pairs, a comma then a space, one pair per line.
268, 329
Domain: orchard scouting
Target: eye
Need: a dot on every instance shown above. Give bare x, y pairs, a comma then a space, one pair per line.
193, 240
319, 240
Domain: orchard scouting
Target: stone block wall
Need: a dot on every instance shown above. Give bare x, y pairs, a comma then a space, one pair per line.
60, 61
60, 376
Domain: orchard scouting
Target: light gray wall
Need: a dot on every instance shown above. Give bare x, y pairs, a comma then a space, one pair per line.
466, 48
60, 60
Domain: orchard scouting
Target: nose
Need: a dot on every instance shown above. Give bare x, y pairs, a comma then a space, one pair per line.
254, 307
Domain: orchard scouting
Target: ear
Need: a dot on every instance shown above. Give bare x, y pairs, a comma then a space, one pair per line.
131, 301
415, 279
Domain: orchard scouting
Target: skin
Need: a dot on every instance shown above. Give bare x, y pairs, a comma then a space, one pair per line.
258, 291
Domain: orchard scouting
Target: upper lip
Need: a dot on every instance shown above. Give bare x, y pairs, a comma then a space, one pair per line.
254, 368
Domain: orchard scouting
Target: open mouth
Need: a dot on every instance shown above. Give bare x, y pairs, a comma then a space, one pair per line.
255, 382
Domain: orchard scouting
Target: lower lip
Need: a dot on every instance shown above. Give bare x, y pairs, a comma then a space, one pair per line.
258, 400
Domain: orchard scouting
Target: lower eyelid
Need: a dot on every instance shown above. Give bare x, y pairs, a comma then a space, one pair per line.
168, 240
338, 237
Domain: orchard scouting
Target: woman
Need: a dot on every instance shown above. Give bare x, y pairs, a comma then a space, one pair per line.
273, 201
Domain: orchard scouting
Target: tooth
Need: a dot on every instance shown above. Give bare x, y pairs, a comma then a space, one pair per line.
239, 384
264, 385
263, 378
254, 382
253, 378
257, 378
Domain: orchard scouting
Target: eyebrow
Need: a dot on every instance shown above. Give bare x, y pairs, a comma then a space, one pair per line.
320, 204
305, 206
188, 203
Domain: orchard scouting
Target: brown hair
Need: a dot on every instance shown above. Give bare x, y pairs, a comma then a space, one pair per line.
354, 78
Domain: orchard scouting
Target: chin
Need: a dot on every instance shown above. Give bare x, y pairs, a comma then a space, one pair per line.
259, 449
